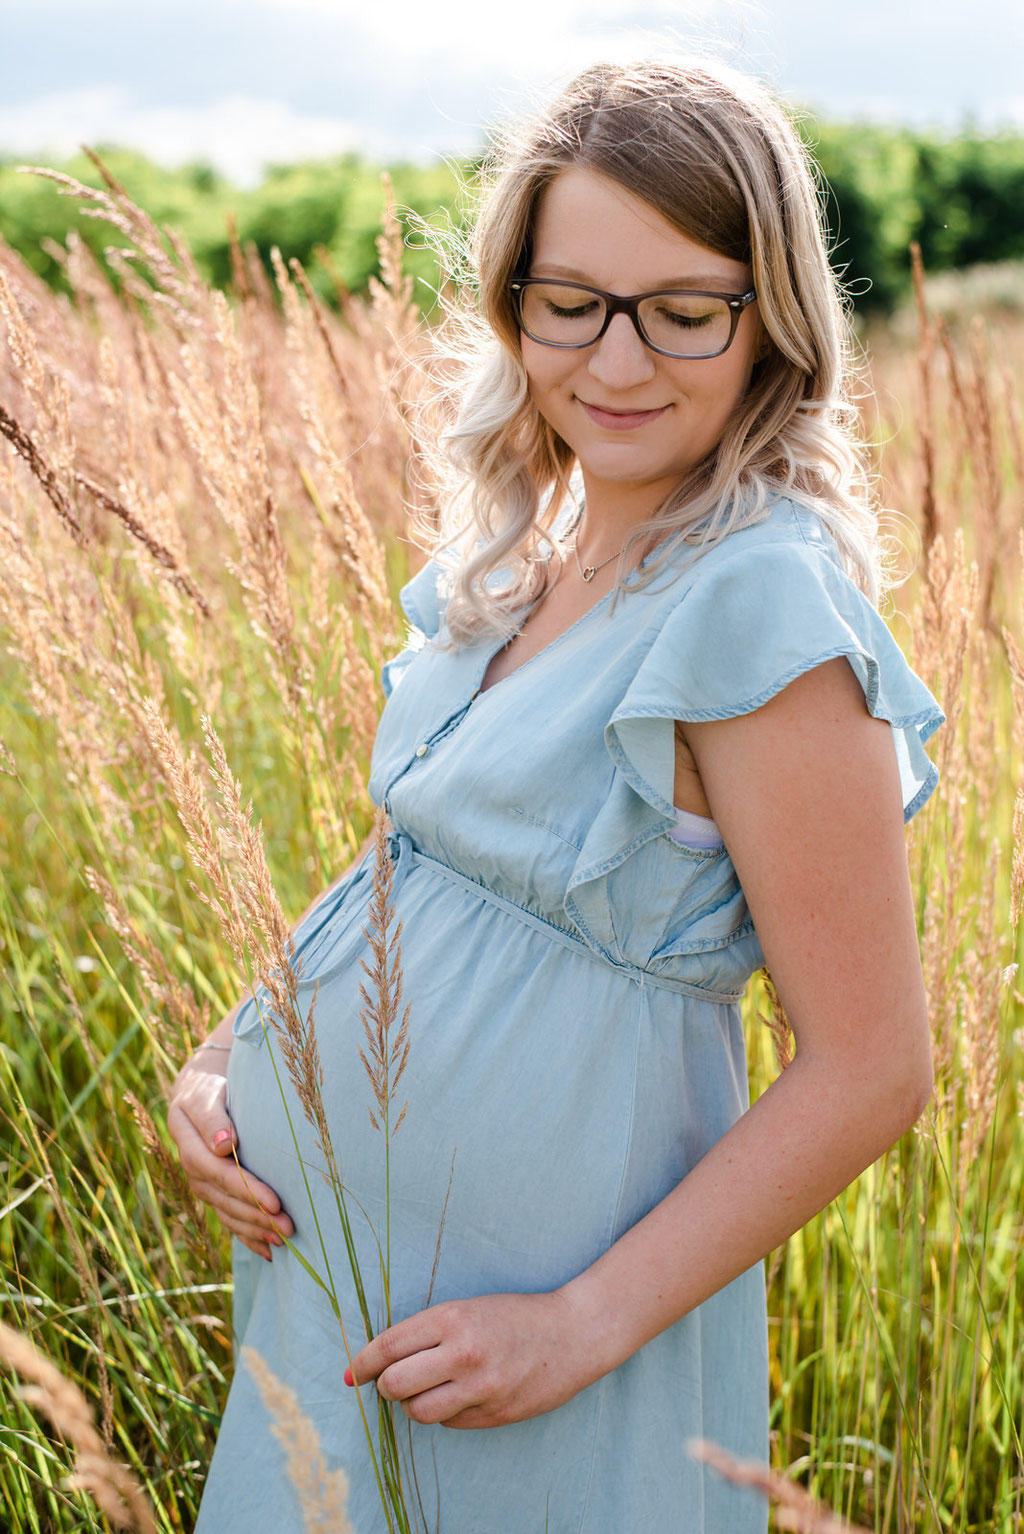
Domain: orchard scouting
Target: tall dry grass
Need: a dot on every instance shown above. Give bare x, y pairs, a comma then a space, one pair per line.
898, 1357
201, 514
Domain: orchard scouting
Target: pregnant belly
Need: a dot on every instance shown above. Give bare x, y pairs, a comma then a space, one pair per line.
551, 1100
519, 1088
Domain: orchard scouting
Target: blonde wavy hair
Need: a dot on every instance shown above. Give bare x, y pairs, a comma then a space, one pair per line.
715, 155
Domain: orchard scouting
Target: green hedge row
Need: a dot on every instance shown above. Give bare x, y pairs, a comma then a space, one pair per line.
961, 196
326, 208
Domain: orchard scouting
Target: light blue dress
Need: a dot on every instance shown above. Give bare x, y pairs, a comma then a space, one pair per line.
574, 976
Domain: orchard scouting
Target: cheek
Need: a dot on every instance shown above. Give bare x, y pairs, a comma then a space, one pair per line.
546, 367
533, 361
744, 373
731, 385
549, 399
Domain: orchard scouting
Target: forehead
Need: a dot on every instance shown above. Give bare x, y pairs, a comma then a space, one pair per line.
587, 226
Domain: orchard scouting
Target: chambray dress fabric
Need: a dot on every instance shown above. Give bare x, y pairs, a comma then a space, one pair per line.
574, 976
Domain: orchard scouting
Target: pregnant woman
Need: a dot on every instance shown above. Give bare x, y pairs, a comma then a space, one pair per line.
648, 735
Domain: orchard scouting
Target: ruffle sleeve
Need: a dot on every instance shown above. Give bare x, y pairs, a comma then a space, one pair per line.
755, 613
421, 601
749, 624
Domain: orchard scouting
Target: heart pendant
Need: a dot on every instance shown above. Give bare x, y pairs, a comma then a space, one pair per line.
589, 572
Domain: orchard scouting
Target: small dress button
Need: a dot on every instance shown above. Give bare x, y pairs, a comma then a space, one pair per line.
422, 750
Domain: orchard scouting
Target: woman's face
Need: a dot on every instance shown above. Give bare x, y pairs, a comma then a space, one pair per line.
638, 422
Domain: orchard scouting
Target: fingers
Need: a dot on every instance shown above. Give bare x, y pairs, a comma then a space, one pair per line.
201, 1127
428, 1373
414, 1376
414, 1335
247, 1206
446, 1405
238, 1207
476, 1363
200, 1096
241, 1200
242, 1217
422, 1387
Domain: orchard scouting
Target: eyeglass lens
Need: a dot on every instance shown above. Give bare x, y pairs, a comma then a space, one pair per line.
685, 324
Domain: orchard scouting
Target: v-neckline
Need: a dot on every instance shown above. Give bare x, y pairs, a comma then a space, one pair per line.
552, 643
481, 690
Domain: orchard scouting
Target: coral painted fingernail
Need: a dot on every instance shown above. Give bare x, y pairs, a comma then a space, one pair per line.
220, 1137
348, 1377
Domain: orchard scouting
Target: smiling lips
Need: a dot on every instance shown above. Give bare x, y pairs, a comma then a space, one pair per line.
621, 420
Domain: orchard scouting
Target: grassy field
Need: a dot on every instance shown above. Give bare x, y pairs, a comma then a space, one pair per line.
201, 517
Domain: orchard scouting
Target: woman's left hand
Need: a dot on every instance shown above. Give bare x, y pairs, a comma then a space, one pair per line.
480, 1362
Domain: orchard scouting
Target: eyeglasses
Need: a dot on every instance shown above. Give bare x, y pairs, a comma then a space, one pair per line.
675, 322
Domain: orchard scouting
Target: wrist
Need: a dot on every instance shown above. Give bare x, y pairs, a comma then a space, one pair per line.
210, 1058
596, 1321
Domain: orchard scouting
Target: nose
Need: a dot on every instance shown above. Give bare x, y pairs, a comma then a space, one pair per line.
620, 360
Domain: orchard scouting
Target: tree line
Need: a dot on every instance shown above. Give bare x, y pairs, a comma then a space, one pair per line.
961, 196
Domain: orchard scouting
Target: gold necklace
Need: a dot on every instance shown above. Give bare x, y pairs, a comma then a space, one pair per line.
589, 571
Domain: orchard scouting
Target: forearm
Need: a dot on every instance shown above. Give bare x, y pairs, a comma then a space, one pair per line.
810, 1134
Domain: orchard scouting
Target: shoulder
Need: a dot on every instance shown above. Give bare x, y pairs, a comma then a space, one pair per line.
755, 567
767, 604
790, 532
760, 591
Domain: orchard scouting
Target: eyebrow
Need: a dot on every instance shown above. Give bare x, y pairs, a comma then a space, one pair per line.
701, 280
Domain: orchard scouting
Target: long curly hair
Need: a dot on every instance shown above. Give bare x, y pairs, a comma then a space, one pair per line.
716, 156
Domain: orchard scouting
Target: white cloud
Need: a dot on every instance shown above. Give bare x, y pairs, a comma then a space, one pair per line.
200, 79
237, 133
528, 40
412, 79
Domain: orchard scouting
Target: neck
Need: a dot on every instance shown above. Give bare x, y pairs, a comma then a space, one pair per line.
614, 511
607, 524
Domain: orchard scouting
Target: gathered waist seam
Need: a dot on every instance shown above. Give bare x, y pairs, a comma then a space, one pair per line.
638, 976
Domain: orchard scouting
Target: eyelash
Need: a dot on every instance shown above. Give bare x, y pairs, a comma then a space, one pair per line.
574, 313
687, 321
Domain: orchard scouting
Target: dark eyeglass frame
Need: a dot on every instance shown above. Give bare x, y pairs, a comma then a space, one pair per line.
616, 303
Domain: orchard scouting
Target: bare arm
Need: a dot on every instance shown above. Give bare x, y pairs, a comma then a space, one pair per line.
198, 1121
806, 793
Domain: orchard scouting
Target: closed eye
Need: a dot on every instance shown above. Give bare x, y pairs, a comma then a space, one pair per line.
686, 321
572, 312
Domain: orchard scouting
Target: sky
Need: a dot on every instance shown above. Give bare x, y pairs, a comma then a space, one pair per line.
243, 83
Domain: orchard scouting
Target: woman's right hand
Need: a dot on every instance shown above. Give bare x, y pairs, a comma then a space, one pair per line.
198, 1121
